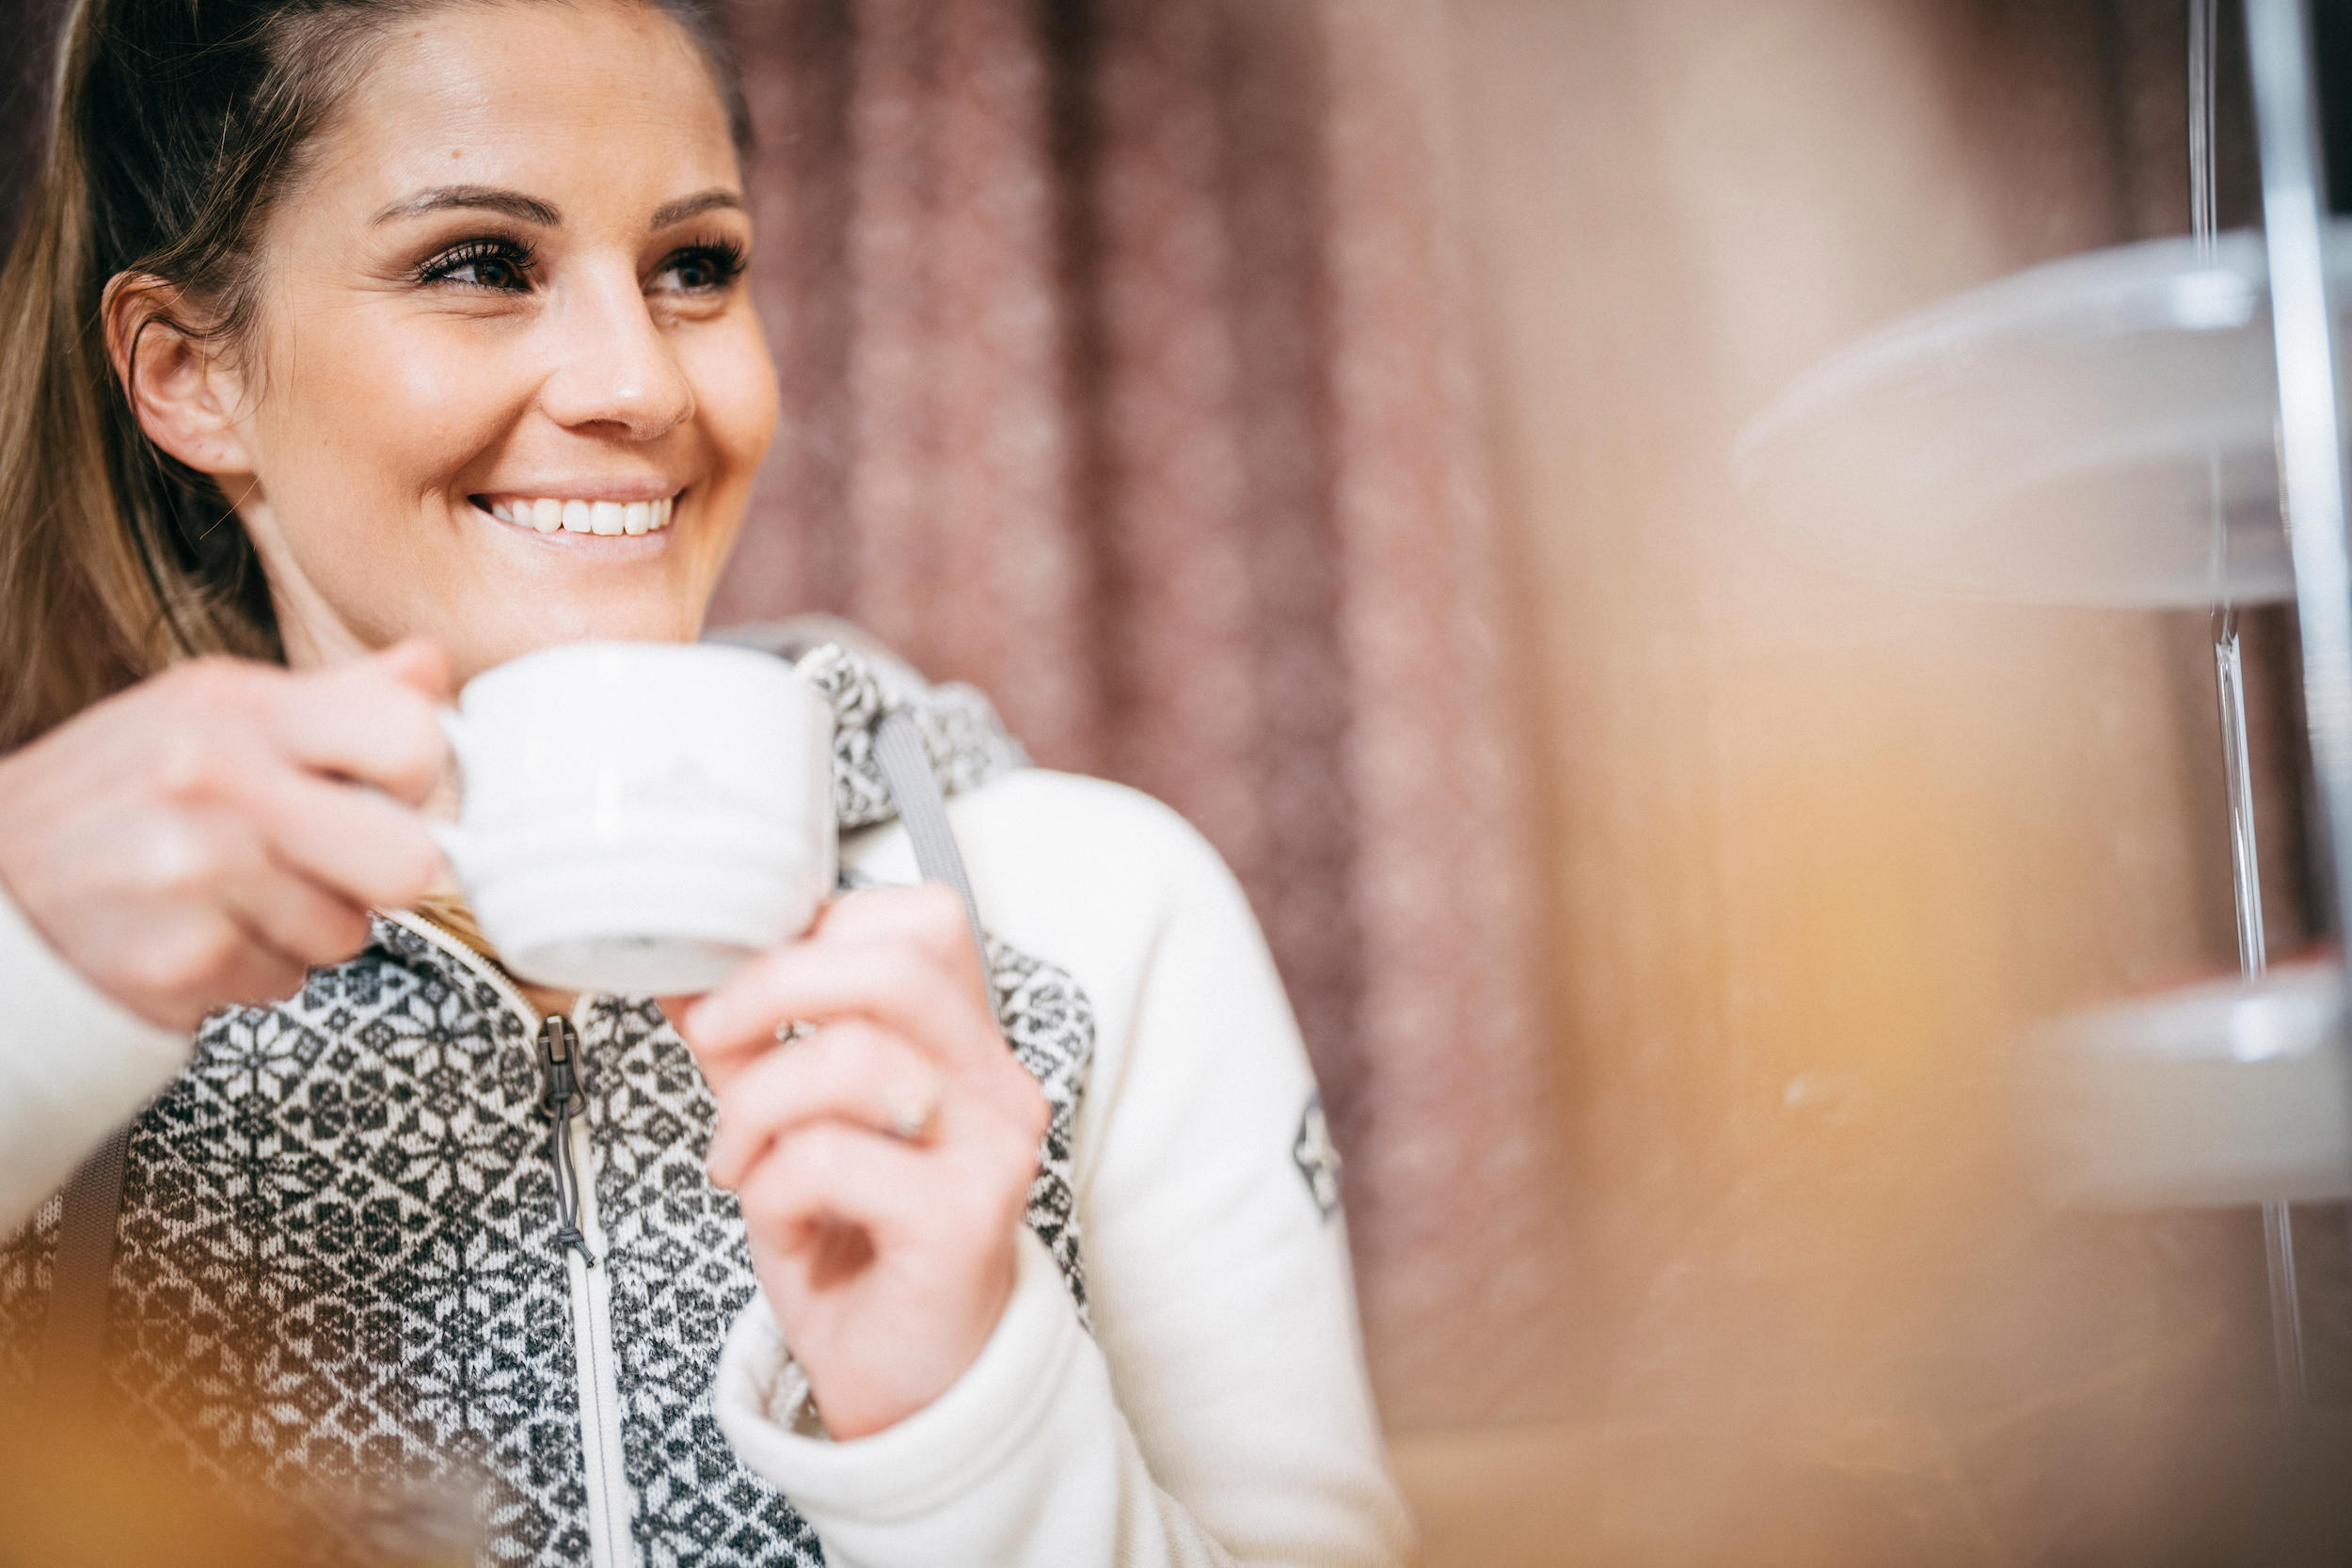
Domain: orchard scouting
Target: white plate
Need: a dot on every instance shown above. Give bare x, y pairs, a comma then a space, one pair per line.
2220, 1093
2065, 434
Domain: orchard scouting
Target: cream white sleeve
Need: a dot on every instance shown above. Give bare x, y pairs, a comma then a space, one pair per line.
1219, 1412
74, 1064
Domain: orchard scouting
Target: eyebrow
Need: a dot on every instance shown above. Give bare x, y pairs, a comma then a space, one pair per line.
685, 207
530, 208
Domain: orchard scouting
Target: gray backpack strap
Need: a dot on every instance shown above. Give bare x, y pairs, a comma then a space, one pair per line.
81, 1275
907, 768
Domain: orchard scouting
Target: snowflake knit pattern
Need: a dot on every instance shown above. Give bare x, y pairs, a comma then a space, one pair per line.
337, 1275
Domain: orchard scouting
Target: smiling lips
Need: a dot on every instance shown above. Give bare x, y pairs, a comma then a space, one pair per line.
545, 514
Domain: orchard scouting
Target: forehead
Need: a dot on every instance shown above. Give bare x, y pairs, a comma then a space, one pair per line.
596, 105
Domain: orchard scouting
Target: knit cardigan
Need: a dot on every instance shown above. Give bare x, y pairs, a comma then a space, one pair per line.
340, 1263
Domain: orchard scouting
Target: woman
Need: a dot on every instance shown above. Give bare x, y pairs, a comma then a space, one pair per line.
359, 345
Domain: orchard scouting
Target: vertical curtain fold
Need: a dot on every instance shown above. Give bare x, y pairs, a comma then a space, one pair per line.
1449, 1053
1120, 380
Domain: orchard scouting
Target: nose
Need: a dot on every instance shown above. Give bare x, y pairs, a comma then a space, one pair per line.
615, 374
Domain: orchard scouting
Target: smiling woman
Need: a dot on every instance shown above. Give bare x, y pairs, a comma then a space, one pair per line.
353, 347
478, 274
492, 285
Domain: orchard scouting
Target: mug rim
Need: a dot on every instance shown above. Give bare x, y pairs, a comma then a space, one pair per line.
750, 660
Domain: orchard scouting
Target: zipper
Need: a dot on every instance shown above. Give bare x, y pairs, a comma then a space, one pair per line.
579, 1242
559, 1051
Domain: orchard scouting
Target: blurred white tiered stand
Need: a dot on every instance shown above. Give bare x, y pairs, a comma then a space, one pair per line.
2129, 428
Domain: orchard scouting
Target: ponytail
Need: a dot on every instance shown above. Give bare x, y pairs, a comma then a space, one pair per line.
83, 611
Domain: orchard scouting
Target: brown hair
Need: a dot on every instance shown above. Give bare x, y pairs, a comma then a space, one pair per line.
176, 125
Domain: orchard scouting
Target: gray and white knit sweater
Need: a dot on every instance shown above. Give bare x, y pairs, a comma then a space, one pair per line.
340, 1258
340, 1262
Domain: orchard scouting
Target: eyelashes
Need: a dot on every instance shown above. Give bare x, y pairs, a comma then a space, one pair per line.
705, 265
489, 261
501, 264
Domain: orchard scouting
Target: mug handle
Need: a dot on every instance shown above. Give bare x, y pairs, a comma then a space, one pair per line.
456, 844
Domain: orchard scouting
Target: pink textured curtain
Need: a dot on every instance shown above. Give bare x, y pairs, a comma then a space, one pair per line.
1121, 379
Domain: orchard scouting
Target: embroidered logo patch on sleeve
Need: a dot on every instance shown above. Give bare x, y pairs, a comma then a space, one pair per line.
1317, 1160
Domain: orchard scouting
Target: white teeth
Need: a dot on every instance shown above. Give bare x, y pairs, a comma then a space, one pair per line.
549, 515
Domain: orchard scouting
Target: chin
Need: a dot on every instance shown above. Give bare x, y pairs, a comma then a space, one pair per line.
627, 623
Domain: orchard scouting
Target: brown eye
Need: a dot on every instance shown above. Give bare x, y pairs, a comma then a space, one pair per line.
702, 268
491, 272
498, 265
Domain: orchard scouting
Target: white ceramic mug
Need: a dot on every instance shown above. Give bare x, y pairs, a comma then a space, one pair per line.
642, 816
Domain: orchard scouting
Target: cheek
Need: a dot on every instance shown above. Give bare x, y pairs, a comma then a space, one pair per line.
735, 391
389, 412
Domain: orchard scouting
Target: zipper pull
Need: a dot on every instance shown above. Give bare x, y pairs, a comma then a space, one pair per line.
563, 1100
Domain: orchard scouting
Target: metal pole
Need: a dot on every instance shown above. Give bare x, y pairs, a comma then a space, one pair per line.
2310, 465
2202, 15
2228, 670
2228, 674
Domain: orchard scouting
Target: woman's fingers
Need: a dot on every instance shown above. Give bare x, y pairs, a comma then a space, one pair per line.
293, 915
419, 664
206, 836
256, 975
377, 722
832, 1174
364, 846
887, 1266
907, 966
280, 749
824, 979
849, 1071
882, 1163
218, 857
206, 959
374, 719
931, 914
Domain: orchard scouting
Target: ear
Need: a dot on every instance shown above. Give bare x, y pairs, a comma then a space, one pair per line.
182, 390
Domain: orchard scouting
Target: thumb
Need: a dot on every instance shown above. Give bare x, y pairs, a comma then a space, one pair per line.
421, 666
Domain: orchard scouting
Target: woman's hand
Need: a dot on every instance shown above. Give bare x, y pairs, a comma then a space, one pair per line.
205, 837
883, 1156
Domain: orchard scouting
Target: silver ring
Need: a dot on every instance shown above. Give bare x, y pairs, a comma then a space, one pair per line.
910, 1122
793, 1029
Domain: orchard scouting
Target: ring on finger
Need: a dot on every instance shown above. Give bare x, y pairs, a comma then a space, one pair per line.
911, 1121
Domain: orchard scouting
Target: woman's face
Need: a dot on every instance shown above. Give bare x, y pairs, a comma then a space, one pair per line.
505, 387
